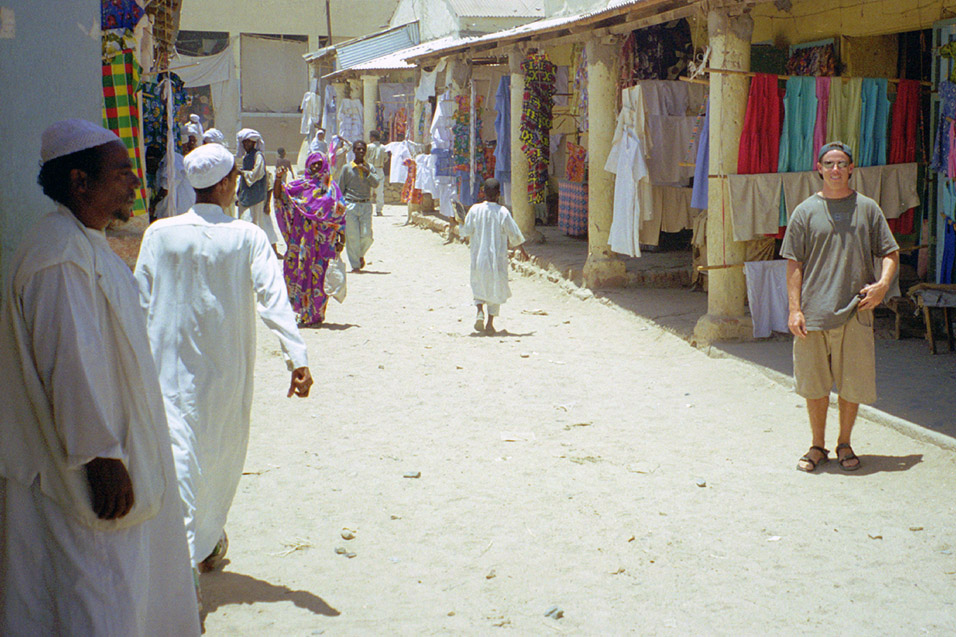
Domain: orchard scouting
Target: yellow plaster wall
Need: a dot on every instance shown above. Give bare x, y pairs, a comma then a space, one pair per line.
811, 20
870, 56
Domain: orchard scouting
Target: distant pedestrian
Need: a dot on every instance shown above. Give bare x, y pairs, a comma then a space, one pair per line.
318, 143
214, 136
253, 187
831, 242
284, 162
376, 159
491, 227
357, 180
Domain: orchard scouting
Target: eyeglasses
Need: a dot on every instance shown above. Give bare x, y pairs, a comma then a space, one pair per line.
842, 163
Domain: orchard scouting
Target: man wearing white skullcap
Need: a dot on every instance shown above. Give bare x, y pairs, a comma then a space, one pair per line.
92, 540
202, 277
253, 186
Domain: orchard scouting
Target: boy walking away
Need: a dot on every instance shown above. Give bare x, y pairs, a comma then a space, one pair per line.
490, 227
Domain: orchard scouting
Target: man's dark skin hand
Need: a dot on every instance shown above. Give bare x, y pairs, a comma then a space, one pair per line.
301, 383
111, 486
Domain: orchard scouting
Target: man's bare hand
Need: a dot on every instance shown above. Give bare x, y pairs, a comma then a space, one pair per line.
301, 382
797, 324
873, 295
111, 486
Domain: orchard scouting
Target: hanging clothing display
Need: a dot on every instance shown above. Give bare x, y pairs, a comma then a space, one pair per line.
424, 121
536, 120
572, 207
813, 60
823, 105
503, 130
767, 296
398, 171
577, 162
760, 138
698, 198
903, 141
329, 122
154, 111
442, 122
461, 123
799, 121
393, 96
351, 120
874, 118
843, 114
409, 193
120, 14
947, 112
398, 124
311, 108
579, 90
659, 52
121, 114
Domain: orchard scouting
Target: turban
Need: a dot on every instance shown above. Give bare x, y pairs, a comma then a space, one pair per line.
214, 136
248, 133
208, 165
71, 136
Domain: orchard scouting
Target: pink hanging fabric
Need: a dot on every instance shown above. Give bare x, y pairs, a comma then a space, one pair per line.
823, 103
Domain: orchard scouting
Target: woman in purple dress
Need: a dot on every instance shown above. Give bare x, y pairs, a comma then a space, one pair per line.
312, 221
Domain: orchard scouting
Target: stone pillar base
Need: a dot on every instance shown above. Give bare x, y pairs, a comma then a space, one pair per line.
604, 272
710, 329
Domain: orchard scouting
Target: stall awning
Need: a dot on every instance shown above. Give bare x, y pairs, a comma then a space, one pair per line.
393, 61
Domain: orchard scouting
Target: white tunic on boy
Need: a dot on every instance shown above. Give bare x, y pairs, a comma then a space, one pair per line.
490, 226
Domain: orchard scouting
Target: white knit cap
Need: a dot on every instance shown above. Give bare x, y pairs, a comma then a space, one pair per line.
71, 136
208, 165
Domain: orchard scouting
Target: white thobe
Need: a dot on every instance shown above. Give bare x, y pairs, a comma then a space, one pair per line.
630, 169
79, 383
490, 227
185, 194
202, 277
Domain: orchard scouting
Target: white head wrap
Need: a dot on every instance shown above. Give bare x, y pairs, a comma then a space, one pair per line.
208, 165
194, 129
248, 133
71, 136
214, 136
198, 123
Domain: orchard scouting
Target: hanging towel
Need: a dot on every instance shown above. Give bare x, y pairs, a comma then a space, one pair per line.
823, 105
755, 204
898, 192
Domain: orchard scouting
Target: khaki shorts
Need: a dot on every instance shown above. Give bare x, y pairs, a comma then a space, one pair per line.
843, 356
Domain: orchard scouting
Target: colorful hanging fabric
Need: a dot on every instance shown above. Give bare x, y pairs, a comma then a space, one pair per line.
121, 113
411, 194
380, 120
461, 151
577, 161
119, 14
579, 90
760, 138
874, 118
800, 117
659, 52
573, 208
424, 120
536, 108
947, 112
154, 111
903, 142
812, 60
399, 125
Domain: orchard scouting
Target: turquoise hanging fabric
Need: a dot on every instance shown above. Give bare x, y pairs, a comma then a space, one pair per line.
874, 120
799, 119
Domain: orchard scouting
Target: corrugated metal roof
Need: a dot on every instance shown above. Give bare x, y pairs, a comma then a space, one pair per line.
362, 50
556, 23
498, 8
396, 61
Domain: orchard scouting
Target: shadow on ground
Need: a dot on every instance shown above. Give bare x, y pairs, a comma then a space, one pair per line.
222, 588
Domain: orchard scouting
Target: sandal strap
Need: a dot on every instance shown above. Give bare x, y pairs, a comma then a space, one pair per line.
825, 452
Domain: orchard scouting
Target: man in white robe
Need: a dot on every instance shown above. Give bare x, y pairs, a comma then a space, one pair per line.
202, 277
490, 226
91, 531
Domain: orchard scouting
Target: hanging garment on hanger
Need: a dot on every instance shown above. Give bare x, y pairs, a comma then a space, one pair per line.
699, 196
874, 118
630, 169
503, 130
760, 138
799, 120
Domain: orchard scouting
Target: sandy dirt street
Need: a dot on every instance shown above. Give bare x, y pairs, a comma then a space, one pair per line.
581, 461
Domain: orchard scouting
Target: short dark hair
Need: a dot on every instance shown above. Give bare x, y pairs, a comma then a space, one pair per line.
280, 151
360, 141
375, 135
54, 177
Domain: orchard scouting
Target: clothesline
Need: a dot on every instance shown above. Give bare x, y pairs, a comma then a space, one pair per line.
786, 77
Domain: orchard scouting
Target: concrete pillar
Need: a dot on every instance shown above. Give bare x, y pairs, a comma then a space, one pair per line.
730, 36
521, 207
369, 98
603, 269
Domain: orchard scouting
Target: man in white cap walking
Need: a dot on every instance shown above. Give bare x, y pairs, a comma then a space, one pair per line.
202, 277
253, 186
92, 540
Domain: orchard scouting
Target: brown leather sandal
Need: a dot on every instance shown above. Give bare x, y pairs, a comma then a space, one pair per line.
810, 461
847, 458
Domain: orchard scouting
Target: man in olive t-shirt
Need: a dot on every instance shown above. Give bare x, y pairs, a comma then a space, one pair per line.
830, 244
